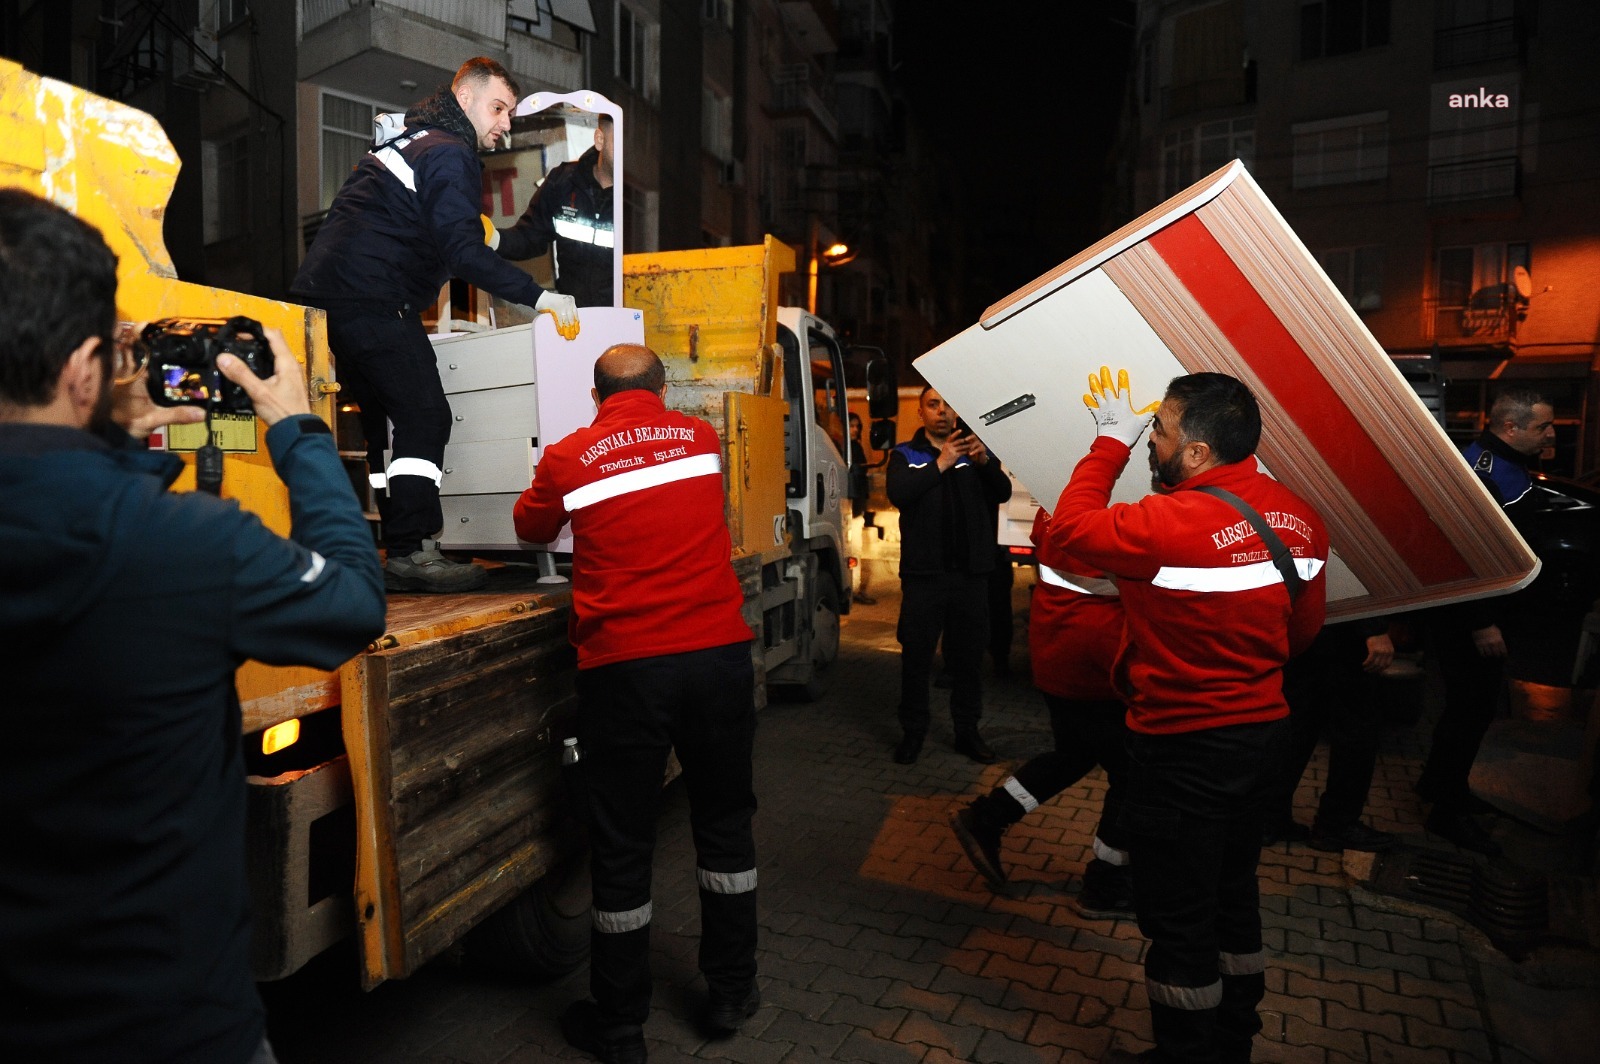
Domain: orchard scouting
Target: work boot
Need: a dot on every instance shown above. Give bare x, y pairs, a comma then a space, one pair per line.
980, 838
1461, 829
725, 1016
1107, 892
909, 749
583, 1028
1356, 836
428, 570
970, 743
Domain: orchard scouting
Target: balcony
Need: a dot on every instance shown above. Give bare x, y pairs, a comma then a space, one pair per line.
1231, 90
404, 48
795, 90
1490, 317
1477, 42
814, 24
1473, 179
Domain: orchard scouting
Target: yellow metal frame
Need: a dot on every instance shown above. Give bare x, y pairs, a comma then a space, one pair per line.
114, 167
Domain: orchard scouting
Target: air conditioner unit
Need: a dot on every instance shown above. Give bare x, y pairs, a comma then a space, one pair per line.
197, 62
730, 173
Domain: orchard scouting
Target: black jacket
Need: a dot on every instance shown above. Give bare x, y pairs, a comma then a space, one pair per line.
124, 611
408, 219
948, 521
573, 210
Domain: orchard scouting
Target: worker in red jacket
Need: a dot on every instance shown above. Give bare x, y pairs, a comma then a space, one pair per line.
1074, 632
1222, 579
664, 663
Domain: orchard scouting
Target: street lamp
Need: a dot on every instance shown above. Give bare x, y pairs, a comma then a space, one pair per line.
835, 254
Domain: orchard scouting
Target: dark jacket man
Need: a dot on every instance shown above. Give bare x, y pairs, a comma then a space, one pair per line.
573, 209
947, 488
124, 611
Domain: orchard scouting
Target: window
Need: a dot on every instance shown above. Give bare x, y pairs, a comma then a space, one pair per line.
1337, 151
1190, 154
637, 57
717, 11
716, 124
1339, 27
1477, 273
346, 136
226, 164
1357, 273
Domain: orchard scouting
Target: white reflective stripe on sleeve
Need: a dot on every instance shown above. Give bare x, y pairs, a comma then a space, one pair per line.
605, 238
617, 923
579, 231
1109, 854
415, 467
1231, 577
916, 465
727, 882
1188, 998
1242, 963
396, 164
1014, 787
1084, 585
318, 563
699, 465
378, 480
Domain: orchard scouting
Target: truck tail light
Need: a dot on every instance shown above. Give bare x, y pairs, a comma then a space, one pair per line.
280, 736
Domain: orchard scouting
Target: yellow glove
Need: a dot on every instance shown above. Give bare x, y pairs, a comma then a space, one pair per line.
1111, 406
562, 308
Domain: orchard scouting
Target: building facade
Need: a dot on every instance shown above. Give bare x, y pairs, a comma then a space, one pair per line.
1439, 159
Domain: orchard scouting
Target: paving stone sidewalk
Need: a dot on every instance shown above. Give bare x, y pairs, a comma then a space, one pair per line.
880, 944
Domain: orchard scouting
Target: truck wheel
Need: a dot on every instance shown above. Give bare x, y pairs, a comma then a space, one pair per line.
824, 638
542, 932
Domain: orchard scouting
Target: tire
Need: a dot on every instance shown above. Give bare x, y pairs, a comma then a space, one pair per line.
824, 639
542, 932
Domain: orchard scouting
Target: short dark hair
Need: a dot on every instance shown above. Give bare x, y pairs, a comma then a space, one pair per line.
652, 378
1218, 411
480, 69
1515, 404
58, 288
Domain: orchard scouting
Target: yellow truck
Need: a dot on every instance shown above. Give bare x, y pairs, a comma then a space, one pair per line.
415, 796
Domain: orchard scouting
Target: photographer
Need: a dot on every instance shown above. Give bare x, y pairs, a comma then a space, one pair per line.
124, 611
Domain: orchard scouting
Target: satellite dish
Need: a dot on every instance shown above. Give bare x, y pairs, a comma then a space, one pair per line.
1522, 281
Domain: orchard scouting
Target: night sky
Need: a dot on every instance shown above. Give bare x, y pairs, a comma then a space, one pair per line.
1021, 99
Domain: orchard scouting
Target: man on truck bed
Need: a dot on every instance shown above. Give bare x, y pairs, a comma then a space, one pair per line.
407, 220
663, 664
124, 611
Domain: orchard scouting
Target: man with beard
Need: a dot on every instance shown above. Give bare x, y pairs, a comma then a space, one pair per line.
572, 209
1221, 579
124, 611
406, 221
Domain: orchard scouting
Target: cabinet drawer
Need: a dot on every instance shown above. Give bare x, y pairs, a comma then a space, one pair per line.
485, 360
500, 414
481, 522
487, 466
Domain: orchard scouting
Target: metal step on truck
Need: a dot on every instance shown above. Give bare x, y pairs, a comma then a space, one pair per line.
413, 798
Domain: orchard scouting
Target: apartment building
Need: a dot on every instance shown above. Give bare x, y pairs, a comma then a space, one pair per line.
1439, 158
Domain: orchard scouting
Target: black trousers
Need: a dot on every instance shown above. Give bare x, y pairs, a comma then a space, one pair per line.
631, 715
1087, 732
386, 366
956, 606
1328, 691
1472, 687
1193, 817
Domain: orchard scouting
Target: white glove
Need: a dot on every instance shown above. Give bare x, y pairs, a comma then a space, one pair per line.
564, 309
1111, 406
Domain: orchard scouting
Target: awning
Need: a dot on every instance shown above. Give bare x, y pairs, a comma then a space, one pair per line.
575, 12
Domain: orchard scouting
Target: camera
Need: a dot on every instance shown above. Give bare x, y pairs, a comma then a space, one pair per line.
181, 357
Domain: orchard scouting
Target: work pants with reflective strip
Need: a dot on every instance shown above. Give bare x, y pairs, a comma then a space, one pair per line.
386, 365
1087, 732
1193, 817
949, 612
631, 715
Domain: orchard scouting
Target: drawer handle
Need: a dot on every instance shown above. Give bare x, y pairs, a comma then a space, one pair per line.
464, 520
453, 366
461, 417
447, 469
